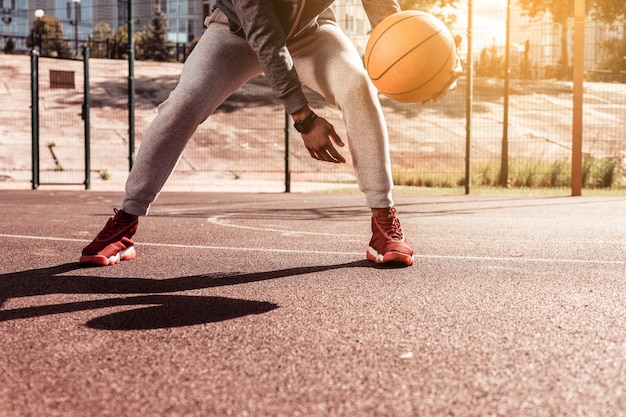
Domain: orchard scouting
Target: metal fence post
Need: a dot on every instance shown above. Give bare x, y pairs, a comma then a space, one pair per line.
287, 151
578, 76
85, 117
34, 106
468, 101
504, 157
131, 85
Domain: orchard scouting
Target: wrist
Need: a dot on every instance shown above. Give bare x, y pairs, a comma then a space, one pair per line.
301, 113
304, 120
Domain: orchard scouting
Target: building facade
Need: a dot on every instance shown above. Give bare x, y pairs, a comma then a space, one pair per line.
185, 23
80, 17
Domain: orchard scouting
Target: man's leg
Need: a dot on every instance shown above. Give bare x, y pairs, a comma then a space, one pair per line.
328, 62
219, 64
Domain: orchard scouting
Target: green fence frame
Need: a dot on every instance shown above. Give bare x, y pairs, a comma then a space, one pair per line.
85, 110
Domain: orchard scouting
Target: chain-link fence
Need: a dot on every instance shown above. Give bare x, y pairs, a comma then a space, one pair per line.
522, 124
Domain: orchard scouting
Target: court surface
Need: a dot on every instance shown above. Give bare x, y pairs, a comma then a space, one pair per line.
252, 304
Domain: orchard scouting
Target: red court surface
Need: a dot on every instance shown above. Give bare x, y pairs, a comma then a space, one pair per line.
264, 305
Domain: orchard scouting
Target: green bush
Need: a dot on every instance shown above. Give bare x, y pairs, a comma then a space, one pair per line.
601, 172
9, 46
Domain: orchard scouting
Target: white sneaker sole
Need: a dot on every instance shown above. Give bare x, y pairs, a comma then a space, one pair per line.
125, 255
389, 257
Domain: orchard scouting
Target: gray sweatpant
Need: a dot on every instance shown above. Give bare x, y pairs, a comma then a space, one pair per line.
221, 62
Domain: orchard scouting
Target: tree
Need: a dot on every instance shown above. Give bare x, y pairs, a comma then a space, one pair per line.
612, 56
47, 34
562, 10
101, 41
9, 47
436, 7
609, 11
120, 43
425, 5
154, 38
525, 66
491, 64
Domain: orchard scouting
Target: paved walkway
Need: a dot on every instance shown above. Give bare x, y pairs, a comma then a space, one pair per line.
263, 305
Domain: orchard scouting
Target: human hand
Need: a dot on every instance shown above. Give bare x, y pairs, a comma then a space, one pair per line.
319, 142
454, 75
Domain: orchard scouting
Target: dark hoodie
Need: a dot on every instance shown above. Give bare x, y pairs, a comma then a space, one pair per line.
269, 26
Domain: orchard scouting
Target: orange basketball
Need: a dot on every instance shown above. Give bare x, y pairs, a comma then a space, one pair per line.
410, 56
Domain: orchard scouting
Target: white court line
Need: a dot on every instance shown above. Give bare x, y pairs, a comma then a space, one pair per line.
217, 220
221, 221
518, 259
183, 246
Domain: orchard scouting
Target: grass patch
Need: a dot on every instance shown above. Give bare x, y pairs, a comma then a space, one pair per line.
606, 173
413, 178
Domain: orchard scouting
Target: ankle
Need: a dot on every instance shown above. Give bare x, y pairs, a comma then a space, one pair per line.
383, 210
125, 216
129, 216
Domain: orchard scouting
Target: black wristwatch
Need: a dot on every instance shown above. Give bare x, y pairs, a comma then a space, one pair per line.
305, 125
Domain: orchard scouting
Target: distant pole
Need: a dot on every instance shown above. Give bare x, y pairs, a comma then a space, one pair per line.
504, 162
578, 78
39, 13
468, 101
287, 154
34, 108
76, 19
86, 118
131, 86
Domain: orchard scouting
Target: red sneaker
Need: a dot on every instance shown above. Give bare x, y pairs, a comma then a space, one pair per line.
113, 244
388, 243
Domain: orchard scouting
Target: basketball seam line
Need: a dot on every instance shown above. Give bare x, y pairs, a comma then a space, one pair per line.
367, 58
405, 54
427, 81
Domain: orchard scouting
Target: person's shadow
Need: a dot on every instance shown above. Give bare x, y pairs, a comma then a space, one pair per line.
156, 309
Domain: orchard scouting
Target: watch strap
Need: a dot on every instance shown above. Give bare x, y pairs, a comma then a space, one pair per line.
306, 124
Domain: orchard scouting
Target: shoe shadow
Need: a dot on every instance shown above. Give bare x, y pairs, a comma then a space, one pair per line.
160, 311
155, 310
167, 311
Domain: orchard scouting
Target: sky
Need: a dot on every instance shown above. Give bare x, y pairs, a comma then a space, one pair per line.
489, 22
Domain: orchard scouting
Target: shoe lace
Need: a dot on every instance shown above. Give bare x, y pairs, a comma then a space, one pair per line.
391, 225
114, 225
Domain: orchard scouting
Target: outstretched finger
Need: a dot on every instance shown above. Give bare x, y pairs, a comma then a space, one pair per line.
335, 137
331, 149
334, 155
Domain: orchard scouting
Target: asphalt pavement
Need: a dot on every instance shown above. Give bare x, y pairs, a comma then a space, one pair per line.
262, 304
